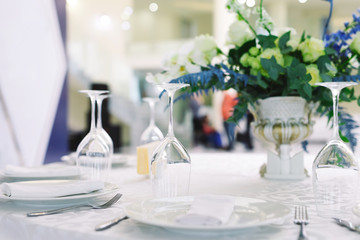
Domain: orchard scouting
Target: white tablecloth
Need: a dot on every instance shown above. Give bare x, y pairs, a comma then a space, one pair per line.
220, 173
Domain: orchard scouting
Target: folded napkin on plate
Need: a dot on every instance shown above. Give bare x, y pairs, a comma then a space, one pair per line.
208, 210
43, 171
49, 189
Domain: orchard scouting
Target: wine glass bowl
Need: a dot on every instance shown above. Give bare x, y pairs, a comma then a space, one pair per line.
335, 168
93, 156
99, 128
170, 164
152, 133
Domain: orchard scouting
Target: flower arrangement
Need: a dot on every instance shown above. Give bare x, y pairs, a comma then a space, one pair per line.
262, 62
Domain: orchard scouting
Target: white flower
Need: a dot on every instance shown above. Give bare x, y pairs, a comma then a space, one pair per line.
170, 59
266, 21
192, 68
158, 78
355, 44
312, 49
235, 6
293, 43
187, 59
239, 33
198, 58
205, 45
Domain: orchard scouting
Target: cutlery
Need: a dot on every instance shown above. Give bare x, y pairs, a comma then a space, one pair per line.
60, 210
110, 223
301, 218
347, 224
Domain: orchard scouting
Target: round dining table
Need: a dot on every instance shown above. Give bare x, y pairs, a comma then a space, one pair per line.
221, 173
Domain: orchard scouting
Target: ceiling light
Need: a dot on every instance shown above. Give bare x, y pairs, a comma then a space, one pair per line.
302, 1
153, 7
103, 22
128, 10
125, 26
250, 3
72, 3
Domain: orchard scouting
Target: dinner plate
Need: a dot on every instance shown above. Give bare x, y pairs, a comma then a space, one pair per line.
248, 212
64, 200
356, 209
52, 174
117, 158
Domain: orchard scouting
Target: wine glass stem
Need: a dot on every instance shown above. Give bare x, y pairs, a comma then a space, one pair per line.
335, 96
171, 118
152, 113
99, 120
92, 125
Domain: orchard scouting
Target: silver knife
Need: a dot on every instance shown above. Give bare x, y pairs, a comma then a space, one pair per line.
347, 224
110, 223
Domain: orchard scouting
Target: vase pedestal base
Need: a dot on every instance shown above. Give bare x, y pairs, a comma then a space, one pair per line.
285, 169
284, 177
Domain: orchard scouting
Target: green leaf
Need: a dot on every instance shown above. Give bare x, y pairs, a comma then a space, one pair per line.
240, 110
288, 60
330, 51
308, 91
324, 65
236, 53
344, 138
267, 41
283, 43
347, 95
261, 83
303, 36
297, 73
358, 101
325, 77
272, 67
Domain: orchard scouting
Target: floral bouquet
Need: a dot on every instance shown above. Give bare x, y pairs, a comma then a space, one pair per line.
262, 61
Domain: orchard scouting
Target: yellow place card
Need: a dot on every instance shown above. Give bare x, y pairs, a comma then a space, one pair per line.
144, 154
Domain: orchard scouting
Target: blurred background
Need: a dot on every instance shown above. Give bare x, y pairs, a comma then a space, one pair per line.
112, 44
117, 42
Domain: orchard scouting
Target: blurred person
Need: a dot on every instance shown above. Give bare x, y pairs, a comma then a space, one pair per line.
213, 138
228, 103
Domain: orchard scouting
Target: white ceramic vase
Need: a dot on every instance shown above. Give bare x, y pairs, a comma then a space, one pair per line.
283, 121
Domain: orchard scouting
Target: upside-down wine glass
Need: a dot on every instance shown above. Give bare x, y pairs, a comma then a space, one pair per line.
93, 153
335, 169
152, 133
99, 127
170, 163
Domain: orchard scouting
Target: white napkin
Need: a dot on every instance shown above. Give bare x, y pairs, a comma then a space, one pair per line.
208, 210
49, 189
43, 171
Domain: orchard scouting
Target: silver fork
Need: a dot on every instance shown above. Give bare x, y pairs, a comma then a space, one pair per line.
301, 218
60, 210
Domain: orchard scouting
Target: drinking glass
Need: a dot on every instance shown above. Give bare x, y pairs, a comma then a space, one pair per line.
335, 169
93, 153
152, 132
170, 162
99, 127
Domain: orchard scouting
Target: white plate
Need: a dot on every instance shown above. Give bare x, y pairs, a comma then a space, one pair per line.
248, 212
65, 200
356, 210
117, 158
23, 176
